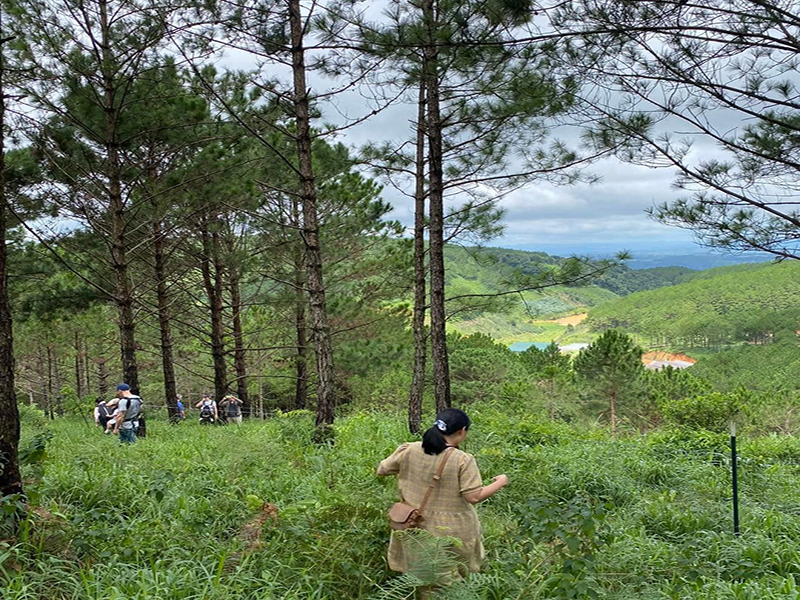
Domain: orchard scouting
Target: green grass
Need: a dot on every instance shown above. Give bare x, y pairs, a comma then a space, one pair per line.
508, 329
186, 492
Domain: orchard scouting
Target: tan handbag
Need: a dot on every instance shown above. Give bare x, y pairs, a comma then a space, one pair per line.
404, 516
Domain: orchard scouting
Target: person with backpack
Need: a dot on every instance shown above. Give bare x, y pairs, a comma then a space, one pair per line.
233, 409
130, 410
442, 483
112, 416
208, 410
102, 413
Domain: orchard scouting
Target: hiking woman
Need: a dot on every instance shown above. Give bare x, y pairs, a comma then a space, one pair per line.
450, 510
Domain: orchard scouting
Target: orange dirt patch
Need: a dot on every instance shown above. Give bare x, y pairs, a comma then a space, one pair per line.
649, 357
571, 320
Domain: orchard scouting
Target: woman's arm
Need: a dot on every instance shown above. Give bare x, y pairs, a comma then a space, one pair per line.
391, 464
487, 491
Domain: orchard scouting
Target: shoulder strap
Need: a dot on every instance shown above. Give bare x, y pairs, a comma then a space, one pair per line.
436, 478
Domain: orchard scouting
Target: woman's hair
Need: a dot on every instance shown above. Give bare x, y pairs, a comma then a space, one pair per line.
447, 422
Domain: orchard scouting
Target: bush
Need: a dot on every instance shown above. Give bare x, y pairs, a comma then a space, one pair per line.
31, 416
681, 440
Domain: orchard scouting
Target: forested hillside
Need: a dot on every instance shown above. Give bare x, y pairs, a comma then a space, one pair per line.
748, 302
483, 272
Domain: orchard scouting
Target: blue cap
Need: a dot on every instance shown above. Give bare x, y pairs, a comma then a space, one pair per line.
123, 387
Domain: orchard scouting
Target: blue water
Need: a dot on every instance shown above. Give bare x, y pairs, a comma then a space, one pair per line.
522, 346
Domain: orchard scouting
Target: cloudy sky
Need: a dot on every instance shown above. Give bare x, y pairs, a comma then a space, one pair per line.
599, 218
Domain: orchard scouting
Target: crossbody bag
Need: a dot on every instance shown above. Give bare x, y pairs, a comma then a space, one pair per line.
404, 516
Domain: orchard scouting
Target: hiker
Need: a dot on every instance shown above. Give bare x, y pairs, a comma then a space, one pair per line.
101, 413
130, 409
208, 410
181, 411
449, 510
113, 414
233, 408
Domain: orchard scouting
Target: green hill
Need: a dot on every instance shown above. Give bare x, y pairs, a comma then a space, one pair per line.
748, 302
528, 316
623, 280
770, 367
717, 271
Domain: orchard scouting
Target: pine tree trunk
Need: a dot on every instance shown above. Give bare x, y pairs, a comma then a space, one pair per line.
214, 287
50, 384
123, 293
420, 298
162, 297
102, 378
301, 358
613, 411
260, 393
10, 479
58, 384
78, 368
441, 366
239, 359
320, 328
87, 375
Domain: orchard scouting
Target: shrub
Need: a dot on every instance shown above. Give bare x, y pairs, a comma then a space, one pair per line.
711, 412
31, 416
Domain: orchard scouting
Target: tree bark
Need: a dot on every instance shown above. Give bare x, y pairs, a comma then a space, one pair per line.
10, 479
102, 378
320, 328
162, 296
239, 359
441, 366
123, 292
214, 287
78, 368
87, 375
420, 298
301, 358
50, 385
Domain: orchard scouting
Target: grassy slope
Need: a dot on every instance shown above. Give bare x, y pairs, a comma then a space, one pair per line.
722, 297
188, 491
528, 318
523, 318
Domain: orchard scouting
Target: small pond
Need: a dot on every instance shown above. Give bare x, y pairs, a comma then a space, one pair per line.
522, 346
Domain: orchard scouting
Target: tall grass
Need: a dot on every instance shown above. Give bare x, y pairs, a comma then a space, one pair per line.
163, 519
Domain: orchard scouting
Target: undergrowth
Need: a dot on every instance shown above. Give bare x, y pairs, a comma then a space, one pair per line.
585, 516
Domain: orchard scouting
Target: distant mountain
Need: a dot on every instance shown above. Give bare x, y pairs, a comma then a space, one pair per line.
694, 261
493, 268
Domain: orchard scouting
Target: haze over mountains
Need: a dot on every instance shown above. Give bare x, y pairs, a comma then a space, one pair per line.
645, 256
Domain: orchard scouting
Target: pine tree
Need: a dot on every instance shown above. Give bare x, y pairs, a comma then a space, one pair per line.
611, 368
10, 478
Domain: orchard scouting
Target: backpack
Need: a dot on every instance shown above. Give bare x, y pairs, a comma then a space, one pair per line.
102, 411
207, 410
134, 408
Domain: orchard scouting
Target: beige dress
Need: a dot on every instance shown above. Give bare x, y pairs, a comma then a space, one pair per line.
447, 512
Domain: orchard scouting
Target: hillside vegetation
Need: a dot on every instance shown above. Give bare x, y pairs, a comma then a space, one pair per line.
528, 316
645, 518
747, 302
769, 367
